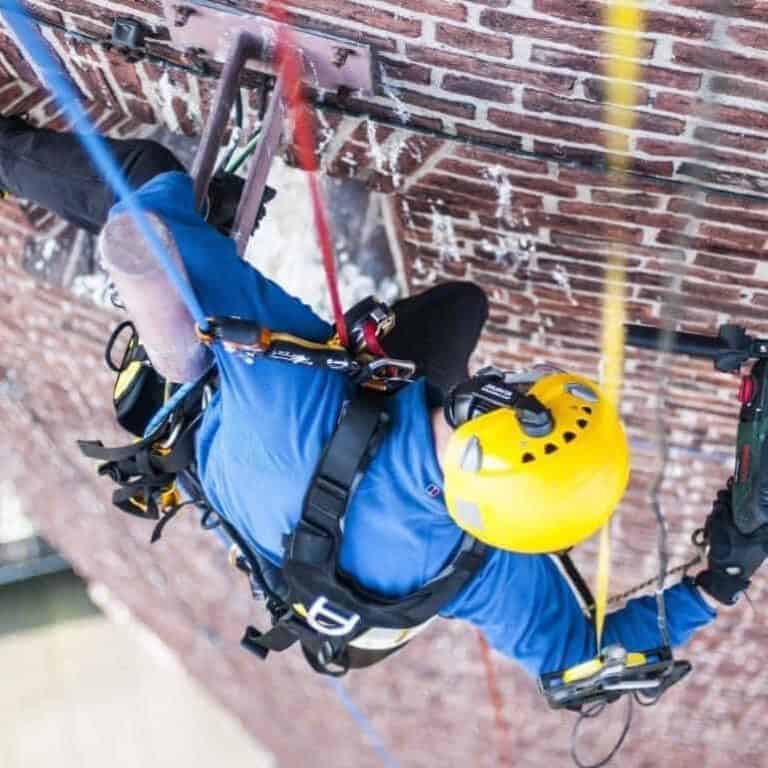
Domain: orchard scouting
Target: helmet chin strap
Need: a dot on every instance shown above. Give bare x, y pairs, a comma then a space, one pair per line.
490, 389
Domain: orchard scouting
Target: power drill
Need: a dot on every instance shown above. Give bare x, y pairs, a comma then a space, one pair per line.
729, 350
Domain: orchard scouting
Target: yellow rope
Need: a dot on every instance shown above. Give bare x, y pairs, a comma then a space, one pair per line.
624, 25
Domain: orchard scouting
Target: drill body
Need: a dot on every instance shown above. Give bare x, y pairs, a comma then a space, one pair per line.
750, 478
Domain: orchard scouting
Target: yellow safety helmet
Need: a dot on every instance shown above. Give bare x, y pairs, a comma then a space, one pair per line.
539, 494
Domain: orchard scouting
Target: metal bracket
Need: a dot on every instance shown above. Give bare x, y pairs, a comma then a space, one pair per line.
245, 47
210, 29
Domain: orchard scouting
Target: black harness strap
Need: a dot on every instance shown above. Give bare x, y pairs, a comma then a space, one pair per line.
335, 609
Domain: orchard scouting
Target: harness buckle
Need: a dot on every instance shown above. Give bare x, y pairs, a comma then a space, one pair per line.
329, 620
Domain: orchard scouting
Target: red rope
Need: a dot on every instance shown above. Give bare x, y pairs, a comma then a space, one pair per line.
503, 735
291, 70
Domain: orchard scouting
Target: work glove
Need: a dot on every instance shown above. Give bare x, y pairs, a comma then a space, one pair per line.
732, 557
224, 194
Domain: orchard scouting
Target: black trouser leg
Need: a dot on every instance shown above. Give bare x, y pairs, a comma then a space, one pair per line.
54, 171
439, 329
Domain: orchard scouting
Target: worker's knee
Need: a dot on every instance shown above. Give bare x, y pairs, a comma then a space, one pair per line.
468, 299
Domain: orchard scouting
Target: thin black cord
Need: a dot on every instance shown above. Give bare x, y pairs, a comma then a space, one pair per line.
589, 713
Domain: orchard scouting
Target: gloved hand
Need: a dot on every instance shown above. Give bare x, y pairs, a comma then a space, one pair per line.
733, 557
224, 194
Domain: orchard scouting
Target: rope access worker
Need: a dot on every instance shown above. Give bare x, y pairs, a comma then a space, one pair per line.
362, 515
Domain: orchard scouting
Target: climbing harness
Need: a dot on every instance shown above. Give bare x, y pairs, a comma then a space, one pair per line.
339, 624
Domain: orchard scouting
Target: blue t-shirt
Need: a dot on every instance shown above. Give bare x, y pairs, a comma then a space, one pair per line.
264, 431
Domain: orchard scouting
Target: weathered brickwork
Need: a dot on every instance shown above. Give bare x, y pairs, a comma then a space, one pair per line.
487, 134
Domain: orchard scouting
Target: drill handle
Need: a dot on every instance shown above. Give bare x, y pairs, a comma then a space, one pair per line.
728, 350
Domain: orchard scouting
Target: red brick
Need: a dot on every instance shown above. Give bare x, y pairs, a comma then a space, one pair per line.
600, 159
367, 108
723, 178
720, 60
416, 151
715, 113
755, 10
733, 216
153, 7
349, 160
597, 229
596, 89
125, 75
741, 202
404, 70
600, 178
41, 13
744, 89
583, 134
752, 37
579, 37
627, 215
477, 42
30, 101
381, 43
745, 141
91, 10
582, 62
478, 89
632, 199
547, 186
111, 121
462, 186
590, 255
441, 8
491, 70
712, 303
699, 152
737, 236
690, 242
504, 159
141, 110
590, 12
439, 196
489, 137
539, 101
380, 132
724, 264
362, 14
436, 104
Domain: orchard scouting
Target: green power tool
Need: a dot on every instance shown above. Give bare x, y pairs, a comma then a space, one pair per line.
730, 350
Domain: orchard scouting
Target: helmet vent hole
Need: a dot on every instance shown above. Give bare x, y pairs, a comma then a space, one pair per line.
586, 409
568, 436
550, 448
582, 423
528, 457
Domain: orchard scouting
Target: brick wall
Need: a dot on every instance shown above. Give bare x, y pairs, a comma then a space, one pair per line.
487, 134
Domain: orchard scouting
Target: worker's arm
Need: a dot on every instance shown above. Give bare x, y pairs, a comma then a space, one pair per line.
223, 283
527, 610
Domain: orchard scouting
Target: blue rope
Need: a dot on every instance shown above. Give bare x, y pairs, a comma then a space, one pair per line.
65, 94
365, 725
